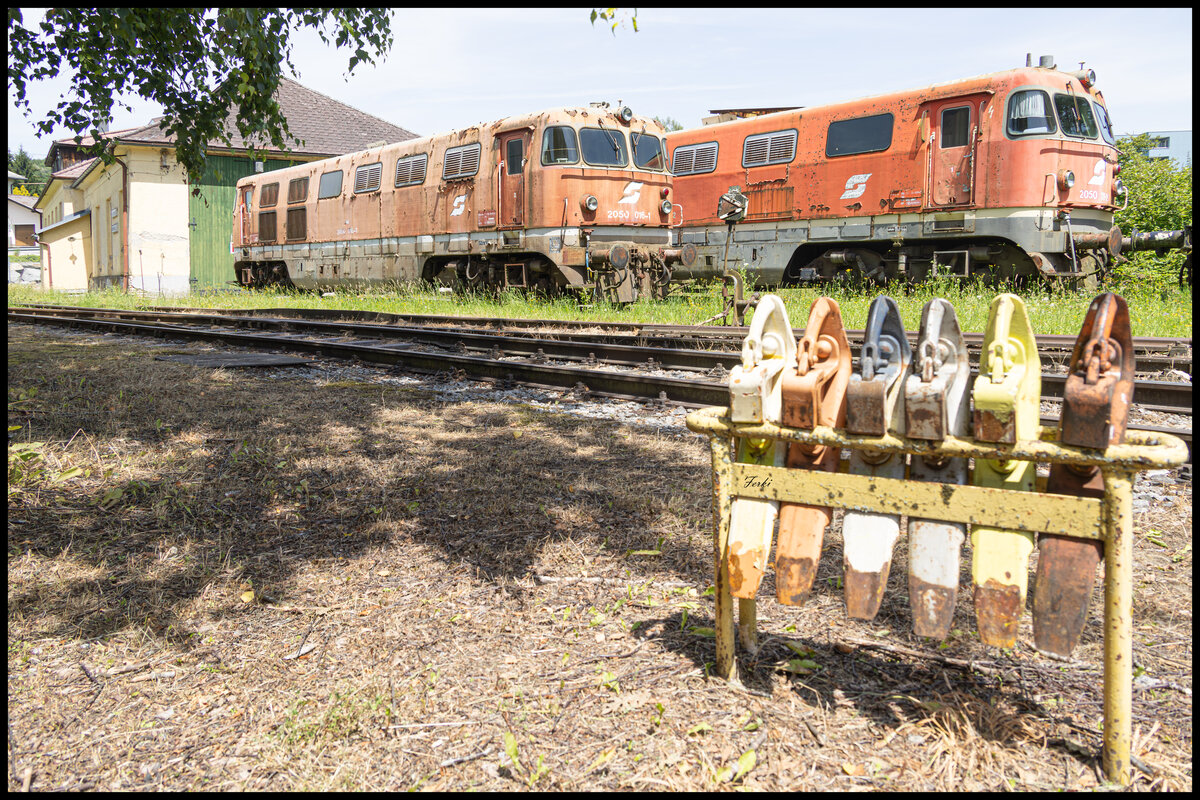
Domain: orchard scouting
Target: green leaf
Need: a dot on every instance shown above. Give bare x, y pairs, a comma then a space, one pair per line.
800, 650
709, 632
745, 763
702, 727
510, 747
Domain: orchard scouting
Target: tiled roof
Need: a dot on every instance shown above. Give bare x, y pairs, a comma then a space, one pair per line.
74, 171
326, 126
23, 199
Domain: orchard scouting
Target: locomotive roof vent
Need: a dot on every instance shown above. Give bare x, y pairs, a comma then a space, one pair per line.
1046, 62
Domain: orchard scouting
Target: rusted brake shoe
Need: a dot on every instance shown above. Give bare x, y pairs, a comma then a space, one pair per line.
1099, 390
814, 395
875, 407
936, 404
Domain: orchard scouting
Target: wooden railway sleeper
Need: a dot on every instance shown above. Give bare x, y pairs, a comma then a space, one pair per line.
875, 407
1095, 410
1007, 398
936, 403
814, 395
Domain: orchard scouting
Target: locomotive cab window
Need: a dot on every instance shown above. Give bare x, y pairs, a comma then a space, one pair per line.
771, 148
410, 171
331, 185
603, 147
298, 190
268, 195
849, 137
461, 162
1029, 113
1104, 123
514, 156
694, 159
956, 126
1075, 116
559, 146
367, 177
647, 151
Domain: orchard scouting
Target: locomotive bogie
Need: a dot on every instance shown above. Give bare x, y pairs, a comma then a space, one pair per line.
538, 202
1010, 175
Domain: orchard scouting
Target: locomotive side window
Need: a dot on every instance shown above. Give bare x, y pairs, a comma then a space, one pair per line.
647, 151
266, 226
411, 171
514, 156
331, 185
559, 146
297, 223
603, 147
694, 159
1105, 124
367, 177
268, 195
298, 190
956, 126
849, 137
1075, 116
773, 148
1029, 112
461, 162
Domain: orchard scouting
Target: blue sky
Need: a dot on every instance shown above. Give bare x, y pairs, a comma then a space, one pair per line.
450, 68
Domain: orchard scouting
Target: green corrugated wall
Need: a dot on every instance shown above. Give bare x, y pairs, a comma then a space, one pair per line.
210, 216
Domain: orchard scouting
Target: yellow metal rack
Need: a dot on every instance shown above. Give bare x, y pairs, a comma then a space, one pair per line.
1109, 519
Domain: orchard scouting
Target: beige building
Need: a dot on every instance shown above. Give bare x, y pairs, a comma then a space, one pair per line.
145, 229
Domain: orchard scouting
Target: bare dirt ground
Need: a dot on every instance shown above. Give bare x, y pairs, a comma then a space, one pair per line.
259, 581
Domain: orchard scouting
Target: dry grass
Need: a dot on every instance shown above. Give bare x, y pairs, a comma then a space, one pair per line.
336, 586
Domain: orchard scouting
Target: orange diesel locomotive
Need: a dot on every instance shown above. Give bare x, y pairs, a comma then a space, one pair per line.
572, 198
1011, 173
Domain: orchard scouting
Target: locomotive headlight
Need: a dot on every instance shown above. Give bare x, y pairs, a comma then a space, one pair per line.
1119, 187
1066, 179
626, 114
590, 203
666, 207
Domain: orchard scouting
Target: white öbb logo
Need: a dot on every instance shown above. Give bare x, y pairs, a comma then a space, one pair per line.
460, 204
856, 186
633, 190
1097, 174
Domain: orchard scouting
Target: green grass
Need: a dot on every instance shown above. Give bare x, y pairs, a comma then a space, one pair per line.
1155, 309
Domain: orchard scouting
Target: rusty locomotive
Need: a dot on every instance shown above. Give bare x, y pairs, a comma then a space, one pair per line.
1011, 174
566, 199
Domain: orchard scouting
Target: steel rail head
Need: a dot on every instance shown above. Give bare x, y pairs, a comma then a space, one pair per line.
1007, 404
936, 404
1095, 410
755, 395
814, 395
875, 406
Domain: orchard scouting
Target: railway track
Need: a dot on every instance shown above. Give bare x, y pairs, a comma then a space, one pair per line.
591, 365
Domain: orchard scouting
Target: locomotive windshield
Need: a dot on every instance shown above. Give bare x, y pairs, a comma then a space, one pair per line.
559, 145
1075, 114
603, 147
1105, 123
1029, 112
647, 151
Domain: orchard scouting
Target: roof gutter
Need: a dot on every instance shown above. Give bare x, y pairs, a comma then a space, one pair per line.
124, 222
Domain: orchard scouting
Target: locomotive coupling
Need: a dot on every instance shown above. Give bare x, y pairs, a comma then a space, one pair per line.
1110, 241
1159, 240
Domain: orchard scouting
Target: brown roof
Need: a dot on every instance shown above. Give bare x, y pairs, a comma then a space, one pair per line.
74, 171
325, 126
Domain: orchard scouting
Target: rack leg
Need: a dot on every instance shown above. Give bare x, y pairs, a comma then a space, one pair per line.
1118, 625
748, 624
722, 458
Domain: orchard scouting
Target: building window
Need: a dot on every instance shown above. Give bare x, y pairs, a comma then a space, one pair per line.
410, 171
603, 147
461, 162
955, 126
769, 148
367, 177
559, 146
693, 159
1029, 113
297, 223
269, 195
266, 226
298, 190
331, 185
863, 135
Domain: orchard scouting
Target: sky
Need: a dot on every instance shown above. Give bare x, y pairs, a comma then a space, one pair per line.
451, 68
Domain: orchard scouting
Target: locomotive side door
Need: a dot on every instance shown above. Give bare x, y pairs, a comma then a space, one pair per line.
952, 152
514, 156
